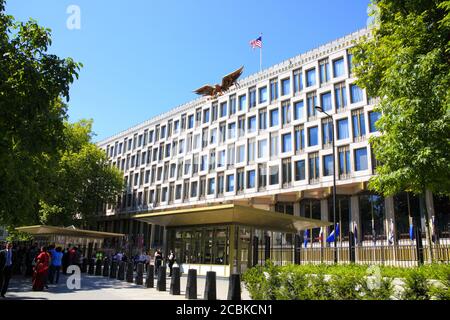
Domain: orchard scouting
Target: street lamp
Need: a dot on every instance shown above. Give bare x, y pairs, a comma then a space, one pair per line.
334, 181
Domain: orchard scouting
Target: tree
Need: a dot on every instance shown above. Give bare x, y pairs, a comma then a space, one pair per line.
33, 85
82, 181
406, 62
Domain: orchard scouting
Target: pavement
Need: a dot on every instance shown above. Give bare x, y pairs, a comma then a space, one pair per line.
104, 288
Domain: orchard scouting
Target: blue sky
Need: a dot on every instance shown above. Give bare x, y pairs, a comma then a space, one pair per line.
144, 57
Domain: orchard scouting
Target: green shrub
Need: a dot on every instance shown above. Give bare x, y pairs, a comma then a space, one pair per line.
346, 286
442, 292
319, 288
384, 290
416, 286
294, 286
254, 282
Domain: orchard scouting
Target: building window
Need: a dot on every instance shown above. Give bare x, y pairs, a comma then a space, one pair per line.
298, 81
211, 186
361, 159
287, 142
194, 187
262, 94
314, 170
240, 180
342, 129
350, 63
300, 171
324, 71
203, 162
232, 130
344, 162
286, 112
262, 148
222, 132
251, 150
325, 101
356, 93
299, 138
311, 102
212, 160
311, 77
206, 116
241, 126
340, 95
220, 184
252, 97
250, 179
286, 171
221, 160
223, 109
213, 136
338, 67
373, 118
178, 191
285, 87
232, 104
298, 110
214, 112
313, 139
327, 132
262, 119
252, 124
202, 186
274, 117
328, 165
242, 102
274, 175
359, 126
240, 154
230, 183
273, 90
273, 145
262, 176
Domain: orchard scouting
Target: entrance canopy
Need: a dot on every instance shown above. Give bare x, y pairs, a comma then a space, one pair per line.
42, 230
231, 214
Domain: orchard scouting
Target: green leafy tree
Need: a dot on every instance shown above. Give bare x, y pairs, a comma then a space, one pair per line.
33, 85
406, 63
82, 181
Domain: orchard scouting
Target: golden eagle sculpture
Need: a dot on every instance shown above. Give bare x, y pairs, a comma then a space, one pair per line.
219, 89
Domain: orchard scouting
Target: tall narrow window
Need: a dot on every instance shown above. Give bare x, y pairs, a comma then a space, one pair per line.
230, 183
328, 165
311, 101
232, 130
285, 86
206, 116
325, 101
220, 184
273, 90
262, 176
298, 81
299, 110
273, 145
232, 104
342, 129
287, 172
252, 124
300, 170
242, 102
214, 111
274, 117
327, 132
286, 112
262, 148
252, 97
338, 67
251, 179
313, 137
263, 119
241, 126
230, 156
373, 118
356, 93
240, 180
251, 150
350, 63
211, 186
361, 159
340, 96
262, 92
359, 126
223, 109
324, 71
274, 174
299, 132
314, 169
311, 77
287, 142
344, 162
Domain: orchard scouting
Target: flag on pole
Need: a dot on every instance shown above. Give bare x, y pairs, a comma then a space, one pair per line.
391, 232
305, 238
256, 43
334, 233
321, 234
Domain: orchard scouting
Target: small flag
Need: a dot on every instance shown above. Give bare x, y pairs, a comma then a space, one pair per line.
411, 231
330, 238
391, 232
305, 238
256, 43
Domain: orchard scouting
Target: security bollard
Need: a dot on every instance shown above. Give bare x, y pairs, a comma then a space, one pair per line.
191, 286
113, 270
161, 283
140, 273
91, 266
210, 286
106, 268
130, 272
234, 287
150, 281
84, 265
121, 273
175, 281
98, 267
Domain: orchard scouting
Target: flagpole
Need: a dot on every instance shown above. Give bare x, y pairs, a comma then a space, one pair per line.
260, 55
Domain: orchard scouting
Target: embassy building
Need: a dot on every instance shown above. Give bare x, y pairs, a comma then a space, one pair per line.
228, 182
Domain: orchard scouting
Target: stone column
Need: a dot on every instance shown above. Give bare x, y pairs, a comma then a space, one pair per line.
356, 216
324, 215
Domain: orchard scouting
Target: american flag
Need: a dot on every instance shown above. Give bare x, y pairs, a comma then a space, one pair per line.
256, 43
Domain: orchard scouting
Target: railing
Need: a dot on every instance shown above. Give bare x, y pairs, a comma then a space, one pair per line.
389, 255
